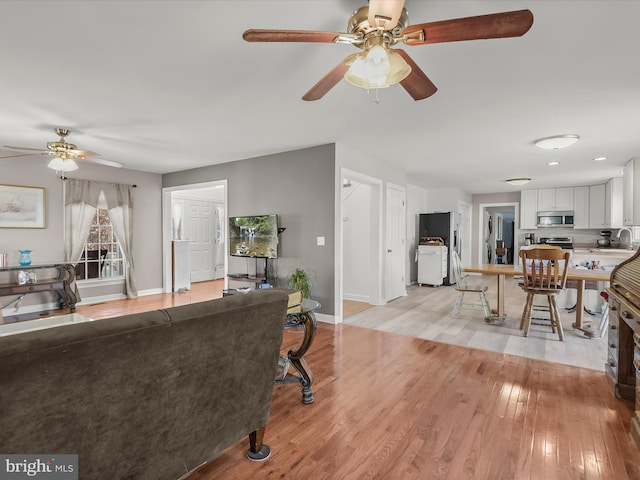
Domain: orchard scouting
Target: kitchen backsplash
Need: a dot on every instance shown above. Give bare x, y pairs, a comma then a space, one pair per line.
578, 236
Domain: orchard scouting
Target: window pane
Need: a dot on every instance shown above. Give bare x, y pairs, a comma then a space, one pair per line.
102, 257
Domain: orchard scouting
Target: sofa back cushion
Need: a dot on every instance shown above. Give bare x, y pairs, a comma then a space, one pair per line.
143, 396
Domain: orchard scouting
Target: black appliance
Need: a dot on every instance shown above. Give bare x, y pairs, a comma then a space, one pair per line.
445, 225
563, 242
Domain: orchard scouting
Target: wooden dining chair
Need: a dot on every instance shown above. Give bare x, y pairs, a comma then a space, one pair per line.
462, 287
544, 273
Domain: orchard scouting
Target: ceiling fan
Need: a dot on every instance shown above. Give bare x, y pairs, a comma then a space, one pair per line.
64, 154
384, 23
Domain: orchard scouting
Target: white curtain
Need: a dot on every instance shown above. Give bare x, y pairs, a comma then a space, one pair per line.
82, 199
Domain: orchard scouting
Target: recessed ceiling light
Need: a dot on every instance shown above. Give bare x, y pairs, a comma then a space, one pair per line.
553, 163
557, 141
599, 159
518, 181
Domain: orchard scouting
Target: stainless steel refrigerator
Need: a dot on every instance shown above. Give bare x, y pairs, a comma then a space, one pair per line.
445, 225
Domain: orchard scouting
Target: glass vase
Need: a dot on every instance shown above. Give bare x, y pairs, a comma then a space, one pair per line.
25, 258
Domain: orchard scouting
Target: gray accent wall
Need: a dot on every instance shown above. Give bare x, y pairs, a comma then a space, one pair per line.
47, 243
298, 186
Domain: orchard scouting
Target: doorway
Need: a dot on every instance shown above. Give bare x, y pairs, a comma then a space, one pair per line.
498, 233
361, 242
194, 233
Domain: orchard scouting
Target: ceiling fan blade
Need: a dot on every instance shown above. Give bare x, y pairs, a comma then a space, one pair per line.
496, 25
326, 83
259, 35
385, 13
26, 148
25, 155
417, 84
102, 161
83, 154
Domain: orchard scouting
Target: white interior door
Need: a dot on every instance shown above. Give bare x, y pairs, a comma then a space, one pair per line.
200, 231
395, 285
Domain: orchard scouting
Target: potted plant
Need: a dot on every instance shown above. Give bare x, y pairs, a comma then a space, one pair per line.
299, 279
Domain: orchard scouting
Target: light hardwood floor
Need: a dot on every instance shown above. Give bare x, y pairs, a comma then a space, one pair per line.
390, 406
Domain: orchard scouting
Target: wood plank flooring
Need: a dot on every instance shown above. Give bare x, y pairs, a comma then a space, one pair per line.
390, 406
426, 313
394, 407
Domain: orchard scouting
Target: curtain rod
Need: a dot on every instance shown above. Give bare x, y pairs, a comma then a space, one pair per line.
67, 178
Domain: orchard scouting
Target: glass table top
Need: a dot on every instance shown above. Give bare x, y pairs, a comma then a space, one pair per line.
306, 306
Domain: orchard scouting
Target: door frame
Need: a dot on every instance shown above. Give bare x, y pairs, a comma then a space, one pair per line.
516, 221
374, 236
166, 227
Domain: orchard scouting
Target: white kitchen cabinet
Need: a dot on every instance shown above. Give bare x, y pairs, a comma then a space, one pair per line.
555, 199
529, 209
546, 199
631, 193
596, 206
613, 198
581, 210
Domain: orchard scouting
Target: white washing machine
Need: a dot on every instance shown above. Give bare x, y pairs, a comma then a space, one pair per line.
432, 264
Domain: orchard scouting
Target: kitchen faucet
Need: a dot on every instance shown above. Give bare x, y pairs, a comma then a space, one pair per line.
626, 229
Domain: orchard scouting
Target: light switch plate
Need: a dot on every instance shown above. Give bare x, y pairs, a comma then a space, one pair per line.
320, 241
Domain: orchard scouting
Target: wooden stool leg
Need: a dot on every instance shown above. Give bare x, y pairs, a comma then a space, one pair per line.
527, 314
550, 299
526, 311
557, 317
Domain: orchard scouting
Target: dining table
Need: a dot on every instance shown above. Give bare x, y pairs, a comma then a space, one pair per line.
580, 275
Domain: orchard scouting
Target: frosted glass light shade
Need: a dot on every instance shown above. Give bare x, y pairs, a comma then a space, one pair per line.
557, 142
379, 67
518, 181
62, 164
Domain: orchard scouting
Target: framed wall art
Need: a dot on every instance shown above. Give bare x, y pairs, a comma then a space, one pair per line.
22, 207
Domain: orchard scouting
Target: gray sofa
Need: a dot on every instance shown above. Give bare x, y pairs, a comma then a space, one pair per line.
144, 396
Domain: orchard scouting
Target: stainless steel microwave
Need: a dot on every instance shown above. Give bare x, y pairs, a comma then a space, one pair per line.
555, 219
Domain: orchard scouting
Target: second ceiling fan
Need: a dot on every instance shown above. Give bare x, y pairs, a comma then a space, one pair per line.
376, 27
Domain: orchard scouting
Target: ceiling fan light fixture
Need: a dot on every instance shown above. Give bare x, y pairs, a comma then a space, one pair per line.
516, 182
557, 141
62, 164
378, 67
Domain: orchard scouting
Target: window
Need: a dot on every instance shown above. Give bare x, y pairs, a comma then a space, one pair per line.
101, 255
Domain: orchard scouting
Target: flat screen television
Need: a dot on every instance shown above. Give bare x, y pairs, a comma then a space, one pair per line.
254, 236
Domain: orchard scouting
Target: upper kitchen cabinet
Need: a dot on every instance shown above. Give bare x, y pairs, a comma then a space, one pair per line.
631, 193
613, 203
529, 209
581, 210
596, 206
553, 199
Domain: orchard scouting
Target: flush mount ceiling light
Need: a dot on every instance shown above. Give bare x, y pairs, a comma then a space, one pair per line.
551, 164
599, 159
518, 181
557, 141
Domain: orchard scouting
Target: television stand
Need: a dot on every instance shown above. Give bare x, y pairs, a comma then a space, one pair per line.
259, 278
243, 277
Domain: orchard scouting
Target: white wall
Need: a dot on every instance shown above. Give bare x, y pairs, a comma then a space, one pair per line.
446, 199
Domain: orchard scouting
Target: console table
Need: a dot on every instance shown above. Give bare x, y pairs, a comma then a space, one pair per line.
301, 316
65, 275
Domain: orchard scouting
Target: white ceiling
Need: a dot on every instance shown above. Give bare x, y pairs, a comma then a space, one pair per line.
162, 86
